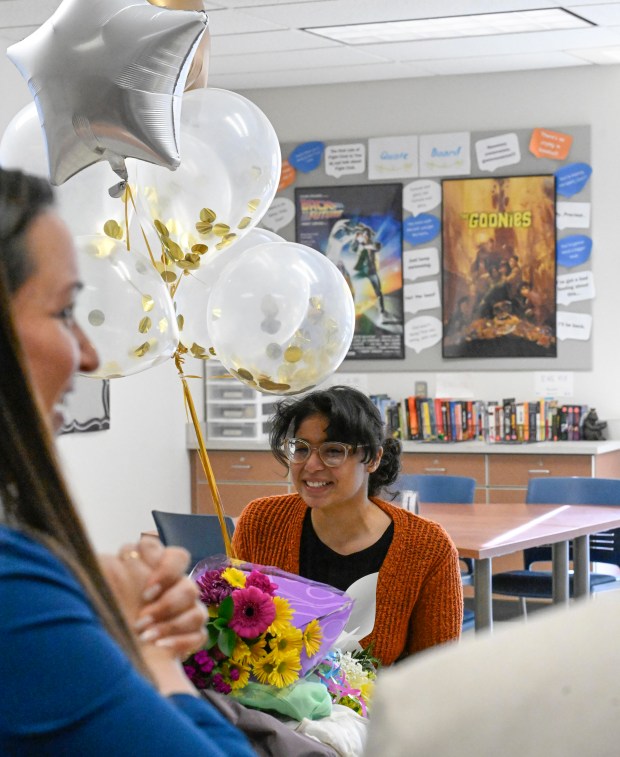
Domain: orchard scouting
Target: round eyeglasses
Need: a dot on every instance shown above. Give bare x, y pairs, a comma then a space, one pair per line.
332, 454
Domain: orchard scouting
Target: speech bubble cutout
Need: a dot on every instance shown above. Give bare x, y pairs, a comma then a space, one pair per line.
422, 332
422, 296
392, 158
572, 178
281, 212
545, 143
572, 215
420, 196
420, 263
421, 229
574, 287
496, 152
573, 326
307, 156
573, 250
445, 154
342, 160
287, 175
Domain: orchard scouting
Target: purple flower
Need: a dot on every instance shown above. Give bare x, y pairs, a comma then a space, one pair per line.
213, 588
254, 612
262, 582
201, 656
208, 665
219, 684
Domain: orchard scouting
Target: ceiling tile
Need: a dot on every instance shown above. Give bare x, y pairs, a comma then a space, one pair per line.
281, 41
498, 63
305, 77
300, 59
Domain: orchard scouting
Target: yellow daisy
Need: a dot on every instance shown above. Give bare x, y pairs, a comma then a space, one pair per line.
285, 670
257, 650
264, 668
284, 615
236, 675
241, 652
312, 637
287, 640
235, 577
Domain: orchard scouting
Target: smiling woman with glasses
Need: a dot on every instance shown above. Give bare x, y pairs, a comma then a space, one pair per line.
336, 529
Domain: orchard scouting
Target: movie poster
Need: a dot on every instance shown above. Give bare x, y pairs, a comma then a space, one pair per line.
359, 228
499, 269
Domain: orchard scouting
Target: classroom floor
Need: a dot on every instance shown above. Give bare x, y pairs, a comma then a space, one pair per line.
509, 610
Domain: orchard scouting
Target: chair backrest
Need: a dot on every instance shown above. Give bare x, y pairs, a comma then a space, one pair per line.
437, 488
577, 490
199, 534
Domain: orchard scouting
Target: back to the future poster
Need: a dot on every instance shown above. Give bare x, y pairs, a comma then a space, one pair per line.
359, 228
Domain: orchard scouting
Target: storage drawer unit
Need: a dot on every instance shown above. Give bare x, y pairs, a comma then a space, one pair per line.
241, 476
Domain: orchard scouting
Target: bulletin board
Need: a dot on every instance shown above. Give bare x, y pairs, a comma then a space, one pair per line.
421, 162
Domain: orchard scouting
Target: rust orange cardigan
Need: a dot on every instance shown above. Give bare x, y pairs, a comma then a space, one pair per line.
419, 589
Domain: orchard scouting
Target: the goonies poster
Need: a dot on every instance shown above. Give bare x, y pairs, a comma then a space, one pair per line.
499, 269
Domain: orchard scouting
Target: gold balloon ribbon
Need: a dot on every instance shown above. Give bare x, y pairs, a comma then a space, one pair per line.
129, 197
204, 458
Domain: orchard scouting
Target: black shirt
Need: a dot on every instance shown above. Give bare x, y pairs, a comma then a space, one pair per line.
320, 563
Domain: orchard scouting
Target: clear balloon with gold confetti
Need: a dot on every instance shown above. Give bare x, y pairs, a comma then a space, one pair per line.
124, 308
281, 317
229, 174
192, 293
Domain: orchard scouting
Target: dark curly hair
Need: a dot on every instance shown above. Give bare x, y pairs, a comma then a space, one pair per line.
352, 418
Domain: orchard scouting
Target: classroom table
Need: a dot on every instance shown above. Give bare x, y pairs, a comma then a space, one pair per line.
485, 531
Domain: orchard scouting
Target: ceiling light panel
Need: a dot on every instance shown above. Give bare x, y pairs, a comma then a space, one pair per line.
450, 27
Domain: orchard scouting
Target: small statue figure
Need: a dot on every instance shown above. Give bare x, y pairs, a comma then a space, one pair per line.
592, 427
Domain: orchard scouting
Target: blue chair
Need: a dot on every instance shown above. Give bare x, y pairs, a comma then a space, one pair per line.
199, 534
457, 490
604, 546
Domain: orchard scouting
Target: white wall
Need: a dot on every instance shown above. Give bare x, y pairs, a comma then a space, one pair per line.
118, 476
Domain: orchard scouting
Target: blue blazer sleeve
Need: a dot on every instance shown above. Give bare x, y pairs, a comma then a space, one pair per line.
67, 688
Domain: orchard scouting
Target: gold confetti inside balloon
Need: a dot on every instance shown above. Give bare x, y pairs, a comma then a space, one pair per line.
229, 172
124, 308
192, 294
281, 317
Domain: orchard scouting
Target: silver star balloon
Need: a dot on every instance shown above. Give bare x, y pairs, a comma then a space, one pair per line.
107, 77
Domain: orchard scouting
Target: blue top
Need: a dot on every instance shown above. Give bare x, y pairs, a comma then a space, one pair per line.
66, 688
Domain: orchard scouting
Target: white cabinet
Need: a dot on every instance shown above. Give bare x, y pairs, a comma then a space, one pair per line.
234, 410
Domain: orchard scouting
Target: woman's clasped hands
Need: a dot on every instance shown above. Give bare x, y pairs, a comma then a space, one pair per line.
159, 602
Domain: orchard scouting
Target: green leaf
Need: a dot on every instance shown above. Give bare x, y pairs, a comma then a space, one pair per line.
226, 609
226, 641
212, 635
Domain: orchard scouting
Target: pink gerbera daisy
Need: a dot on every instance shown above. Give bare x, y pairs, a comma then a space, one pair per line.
254, 612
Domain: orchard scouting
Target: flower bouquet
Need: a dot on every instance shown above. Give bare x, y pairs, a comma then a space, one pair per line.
349, 678
265, 626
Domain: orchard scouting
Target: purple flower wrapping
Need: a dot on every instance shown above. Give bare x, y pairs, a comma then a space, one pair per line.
309, 599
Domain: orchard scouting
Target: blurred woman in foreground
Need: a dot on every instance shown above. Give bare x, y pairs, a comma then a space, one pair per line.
89, 665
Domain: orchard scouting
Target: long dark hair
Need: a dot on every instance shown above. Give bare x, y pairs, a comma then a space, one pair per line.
33, 494
352, 418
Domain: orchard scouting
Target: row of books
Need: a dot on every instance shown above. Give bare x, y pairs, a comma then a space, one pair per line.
450, 420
